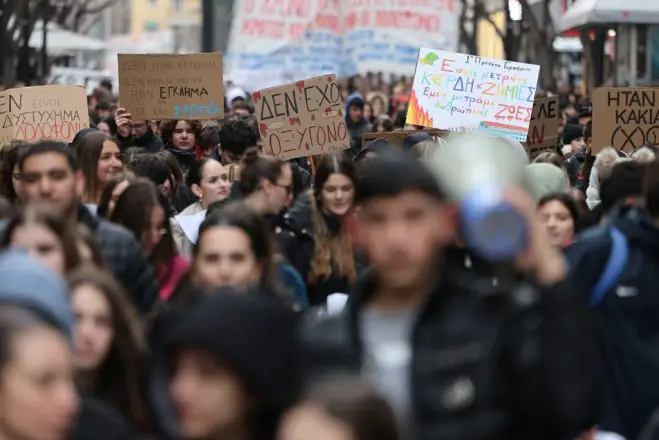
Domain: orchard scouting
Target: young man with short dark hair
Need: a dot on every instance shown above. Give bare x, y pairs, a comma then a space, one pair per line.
50, 173
456, 362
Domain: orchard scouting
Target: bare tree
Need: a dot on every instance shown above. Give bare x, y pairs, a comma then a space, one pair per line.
542, 34
18, 19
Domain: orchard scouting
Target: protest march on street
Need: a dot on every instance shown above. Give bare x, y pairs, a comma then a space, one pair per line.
319, 241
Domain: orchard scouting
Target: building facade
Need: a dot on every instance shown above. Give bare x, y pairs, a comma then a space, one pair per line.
159, 15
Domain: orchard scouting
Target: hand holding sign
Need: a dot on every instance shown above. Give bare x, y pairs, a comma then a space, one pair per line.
123, 122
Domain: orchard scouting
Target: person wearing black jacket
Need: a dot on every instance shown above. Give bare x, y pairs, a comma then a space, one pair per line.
136, 133
50, 174
456, 362
625, 316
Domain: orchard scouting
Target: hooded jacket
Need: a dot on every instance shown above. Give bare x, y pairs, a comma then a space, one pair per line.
356, 129
626, 323
604, 163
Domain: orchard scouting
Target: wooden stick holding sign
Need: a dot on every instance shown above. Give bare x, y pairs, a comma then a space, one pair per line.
304, 118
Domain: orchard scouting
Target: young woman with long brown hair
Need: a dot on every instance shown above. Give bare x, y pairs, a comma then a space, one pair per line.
314, 239
110, 350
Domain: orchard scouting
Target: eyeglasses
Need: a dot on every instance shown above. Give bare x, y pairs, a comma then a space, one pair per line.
287, 188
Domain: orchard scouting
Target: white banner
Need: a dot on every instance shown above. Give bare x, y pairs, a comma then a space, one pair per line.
72, 76
275, 42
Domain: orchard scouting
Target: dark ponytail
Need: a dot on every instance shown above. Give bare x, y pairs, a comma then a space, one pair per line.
256, 168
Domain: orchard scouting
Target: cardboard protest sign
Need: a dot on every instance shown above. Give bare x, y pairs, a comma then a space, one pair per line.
54, 112
545, 120
625, 118
455, 91
397, 137
304, 118
171, 86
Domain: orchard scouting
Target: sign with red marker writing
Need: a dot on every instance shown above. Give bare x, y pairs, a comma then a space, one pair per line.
543, 131
171, 86
304, 118
455, 91
54, 112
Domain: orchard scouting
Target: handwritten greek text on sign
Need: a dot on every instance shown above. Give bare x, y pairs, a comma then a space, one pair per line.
455, 91
159, 86
54, 112
543, 131
304, 118
625, 118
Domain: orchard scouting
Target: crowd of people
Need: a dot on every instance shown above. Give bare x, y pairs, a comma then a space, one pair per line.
170, 280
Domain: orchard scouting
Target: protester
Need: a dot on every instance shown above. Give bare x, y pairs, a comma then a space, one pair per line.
392, 329
561, 216
46, 236
111, 193
100, 161
340, 409
266, 185
10, 174
209, 181
37, 408
622, 295
313, 238
142, 210
180, 139
110, 350
231, 376
49, 173
131, 133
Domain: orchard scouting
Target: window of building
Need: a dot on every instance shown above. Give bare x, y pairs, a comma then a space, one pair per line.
153, 4
151, 26
642, 51
176, 5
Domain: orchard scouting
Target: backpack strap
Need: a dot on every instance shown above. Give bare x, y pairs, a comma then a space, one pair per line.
618, 256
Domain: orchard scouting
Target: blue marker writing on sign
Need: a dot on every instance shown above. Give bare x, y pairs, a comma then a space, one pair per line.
191, 110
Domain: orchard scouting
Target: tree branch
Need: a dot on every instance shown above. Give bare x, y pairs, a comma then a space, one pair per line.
98, 9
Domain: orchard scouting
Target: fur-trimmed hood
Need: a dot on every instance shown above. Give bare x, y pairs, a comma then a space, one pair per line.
604, 162
643, 155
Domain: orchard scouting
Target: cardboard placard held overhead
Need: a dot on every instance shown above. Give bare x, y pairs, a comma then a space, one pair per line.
54, 112
304, 118
545, 120
171, 86
625, 118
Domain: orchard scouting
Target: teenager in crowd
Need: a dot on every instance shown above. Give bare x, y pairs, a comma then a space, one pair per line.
314, 239
110, 350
